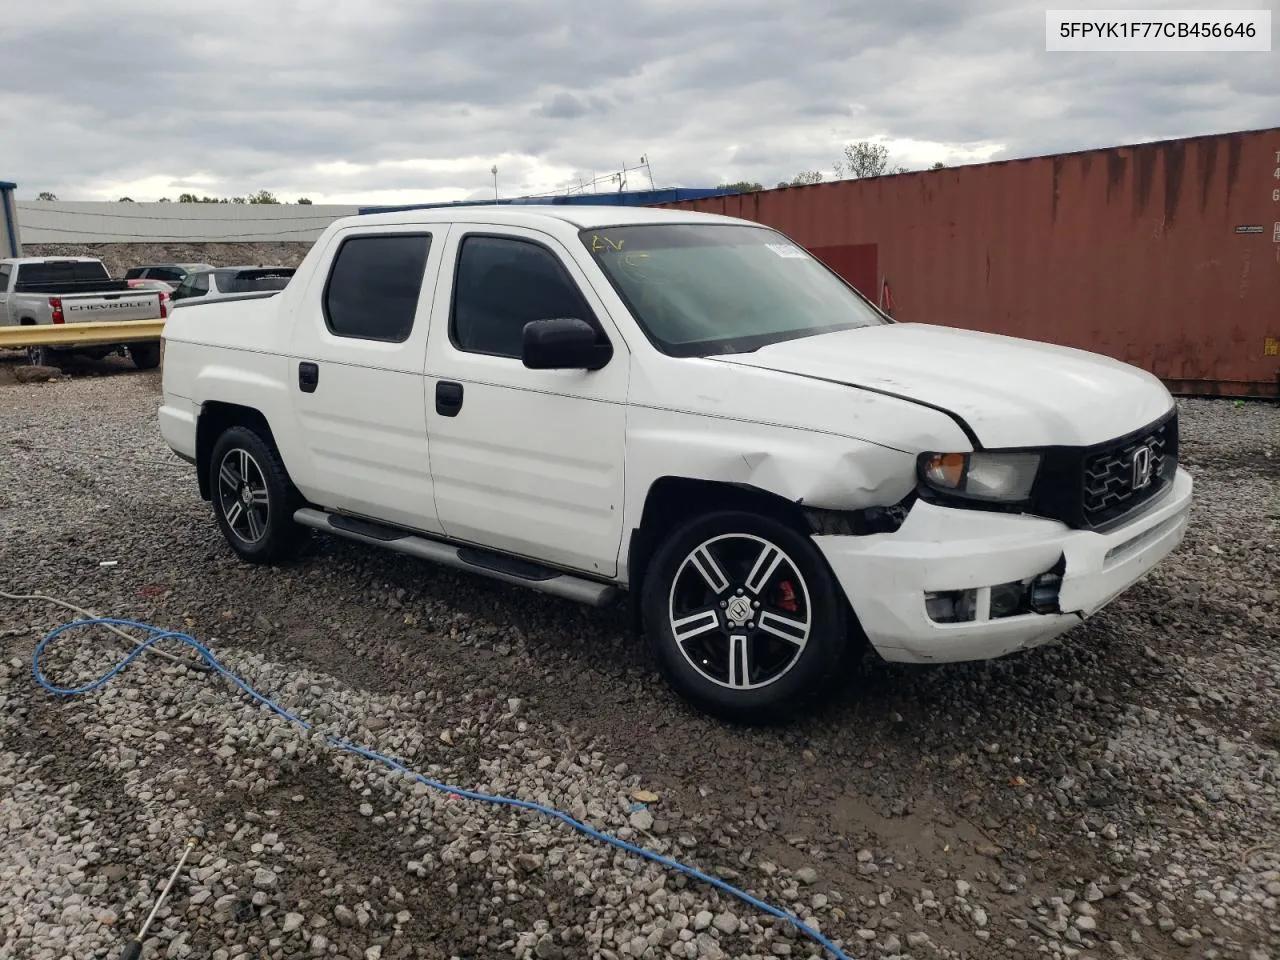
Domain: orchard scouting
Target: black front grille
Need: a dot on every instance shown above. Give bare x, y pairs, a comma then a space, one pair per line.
1127, 474
1093, 487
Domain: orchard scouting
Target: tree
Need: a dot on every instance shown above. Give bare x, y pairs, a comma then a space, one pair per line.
742, 186
263, 196
865, 159
45, 195
802, 179
164, 200
862, 159
938, 165
125, 200
304, 201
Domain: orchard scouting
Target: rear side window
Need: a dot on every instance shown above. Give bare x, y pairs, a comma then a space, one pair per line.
167, 274
373, 287
62, 271
134, 273
503, 283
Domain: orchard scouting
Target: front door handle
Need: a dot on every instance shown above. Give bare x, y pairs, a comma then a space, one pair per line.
308, 377
448, 398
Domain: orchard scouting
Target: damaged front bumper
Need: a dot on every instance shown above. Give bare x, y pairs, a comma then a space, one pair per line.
894, 580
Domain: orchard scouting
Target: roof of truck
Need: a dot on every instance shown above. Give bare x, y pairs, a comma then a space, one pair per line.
582, 217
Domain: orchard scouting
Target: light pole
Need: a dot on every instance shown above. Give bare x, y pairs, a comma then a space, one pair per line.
494, 171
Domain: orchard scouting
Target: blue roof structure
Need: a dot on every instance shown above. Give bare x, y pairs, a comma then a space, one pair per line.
626, 198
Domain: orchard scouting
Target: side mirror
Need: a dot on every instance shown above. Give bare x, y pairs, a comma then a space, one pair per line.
564, 343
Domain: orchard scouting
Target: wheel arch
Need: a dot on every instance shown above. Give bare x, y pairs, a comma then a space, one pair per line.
216, 417
671, 500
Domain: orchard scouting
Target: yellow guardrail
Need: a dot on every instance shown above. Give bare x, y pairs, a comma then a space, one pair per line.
80, 334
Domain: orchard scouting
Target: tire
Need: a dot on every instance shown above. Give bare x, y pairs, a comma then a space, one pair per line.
788, 666
42, 357
145, 356
253, 499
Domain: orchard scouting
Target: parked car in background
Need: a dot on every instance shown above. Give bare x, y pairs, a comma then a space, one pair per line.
166, 288
689, 407
37, 291
173, 273
217, 283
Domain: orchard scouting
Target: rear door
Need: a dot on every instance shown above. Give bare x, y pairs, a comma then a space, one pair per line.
359, 343
525, 461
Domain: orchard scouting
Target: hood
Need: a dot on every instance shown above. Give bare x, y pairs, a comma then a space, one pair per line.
1010, 392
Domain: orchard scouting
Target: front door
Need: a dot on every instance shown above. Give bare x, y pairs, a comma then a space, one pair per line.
525, 461
356, 374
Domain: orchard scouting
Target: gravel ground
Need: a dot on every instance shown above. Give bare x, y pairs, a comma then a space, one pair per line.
1118, 795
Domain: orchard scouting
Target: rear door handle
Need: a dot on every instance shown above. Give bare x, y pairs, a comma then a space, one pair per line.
308, 377
448, 398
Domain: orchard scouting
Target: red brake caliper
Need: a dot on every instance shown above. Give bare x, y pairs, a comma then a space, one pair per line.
788, 601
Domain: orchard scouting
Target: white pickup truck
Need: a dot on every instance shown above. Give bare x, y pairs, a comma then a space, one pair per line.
687, 407
39, 291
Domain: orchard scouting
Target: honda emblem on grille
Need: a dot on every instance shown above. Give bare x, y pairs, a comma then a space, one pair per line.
1141, 467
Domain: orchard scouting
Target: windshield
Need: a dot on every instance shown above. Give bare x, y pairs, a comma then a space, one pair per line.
701, 289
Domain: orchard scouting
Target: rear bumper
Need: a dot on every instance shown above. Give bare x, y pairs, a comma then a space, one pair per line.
886, 576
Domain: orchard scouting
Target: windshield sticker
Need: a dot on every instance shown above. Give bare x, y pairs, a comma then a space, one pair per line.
601, 244
788, 250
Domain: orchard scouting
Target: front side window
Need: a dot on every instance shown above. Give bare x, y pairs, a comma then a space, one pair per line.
194, 285
373, 287
503, 283
703, 289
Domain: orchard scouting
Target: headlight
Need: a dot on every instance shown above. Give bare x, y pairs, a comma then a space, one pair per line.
1001, 477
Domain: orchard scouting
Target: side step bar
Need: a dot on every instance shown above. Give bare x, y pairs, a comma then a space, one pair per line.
471, 559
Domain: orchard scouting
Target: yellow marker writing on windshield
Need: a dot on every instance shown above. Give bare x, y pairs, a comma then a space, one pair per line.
599, 243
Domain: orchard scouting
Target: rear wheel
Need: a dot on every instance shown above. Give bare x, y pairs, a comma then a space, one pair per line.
145, 356
745, 619
253, 498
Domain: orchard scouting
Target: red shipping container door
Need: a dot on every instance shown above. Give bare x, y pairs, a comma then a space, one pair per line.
1165, 255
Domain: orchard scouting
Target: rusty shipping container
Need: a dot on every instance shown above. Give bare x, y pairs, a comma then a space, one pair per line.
1165, 255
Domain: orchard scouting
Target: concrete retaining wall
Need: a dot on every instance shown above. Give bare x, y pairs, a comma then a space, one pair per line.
119, 257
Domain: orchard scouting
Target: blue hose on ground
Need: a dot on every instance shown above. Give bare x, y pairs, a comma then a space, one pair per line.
155, 635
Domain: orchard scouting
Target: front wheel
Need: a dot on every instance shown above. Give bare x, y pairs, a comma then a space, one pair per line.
253, 498
744, 617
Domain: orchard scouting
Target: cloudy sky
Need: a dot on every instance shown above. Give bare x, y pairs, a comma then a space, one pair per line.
398, 100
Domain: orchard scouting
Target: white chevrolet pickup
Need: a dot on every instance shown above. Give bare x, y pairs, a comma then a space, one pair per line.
687, 407
37, 291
